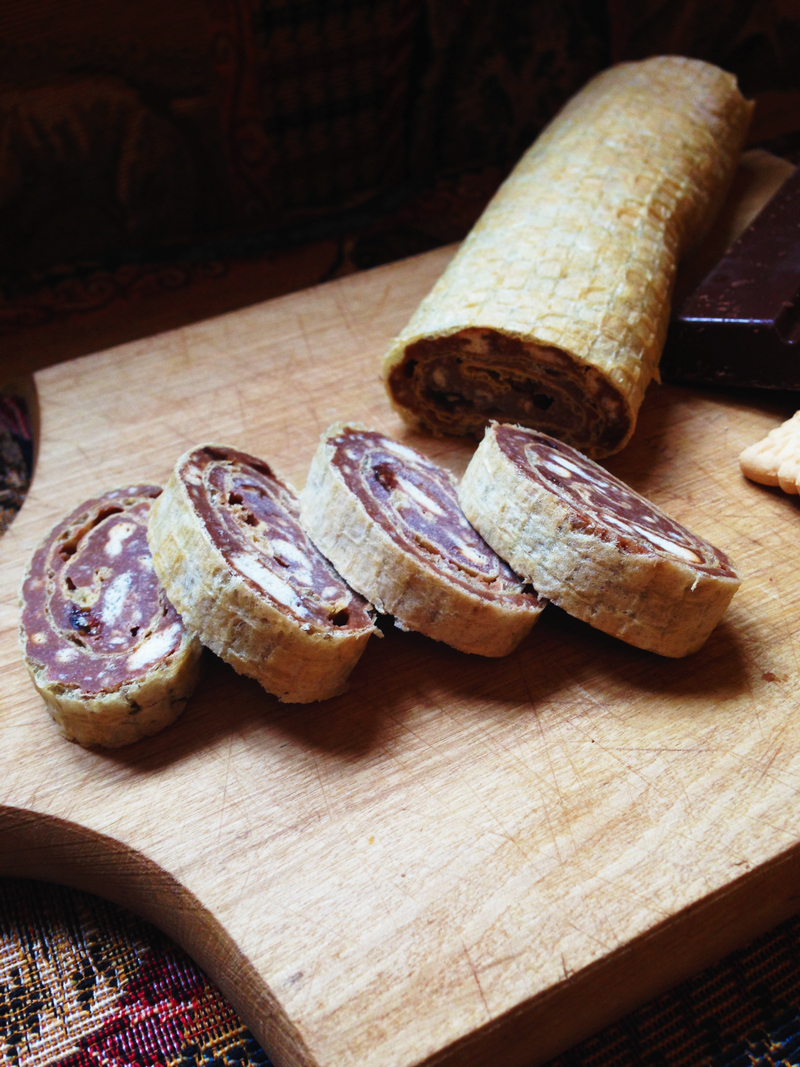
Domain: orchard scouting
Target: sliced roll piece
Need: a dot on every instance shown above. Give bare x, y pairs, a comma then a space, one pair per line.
389, 521
106, 650
592, 545
228, 546
554, 311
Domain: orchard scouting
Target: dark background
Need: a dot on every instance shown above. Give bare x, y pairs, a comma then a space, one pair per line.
227, 150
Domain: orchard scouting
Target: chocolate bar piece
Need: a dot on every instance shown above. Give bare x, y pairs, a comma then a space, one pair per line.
741, 326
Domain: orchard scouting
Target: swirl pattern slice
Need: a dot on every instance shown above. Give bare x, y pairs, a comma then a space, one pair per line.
228, 545
389, 521
106, 649
592, 545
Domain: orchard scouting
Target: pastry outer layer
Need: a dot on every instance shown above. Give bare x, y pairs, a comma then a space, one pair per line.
417, 583
139, 682
291, 648
590, 561
566, 279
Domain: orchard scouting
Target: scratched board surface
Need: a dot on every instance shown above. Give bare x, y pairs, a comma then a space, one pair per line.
460, 857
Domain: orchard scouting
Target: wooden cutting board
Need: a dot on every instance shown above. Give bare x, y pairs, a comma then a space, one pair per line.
462, 861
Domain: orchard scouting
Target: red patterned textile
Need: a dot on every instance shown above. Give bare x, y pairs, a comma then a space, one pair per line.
84, 983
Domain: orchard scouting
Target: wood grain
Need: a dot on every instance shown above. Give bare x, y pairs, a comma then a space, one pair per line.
462, 861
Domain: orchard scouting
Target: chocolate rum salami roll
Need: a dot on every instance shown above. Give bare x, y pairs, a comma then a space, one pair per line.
554, 311
592, 545
389, 521
106, 650
228, 546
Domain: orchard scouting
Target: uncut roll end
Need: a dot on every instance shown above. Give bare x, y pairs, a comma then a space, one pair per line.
554, 311
459, 382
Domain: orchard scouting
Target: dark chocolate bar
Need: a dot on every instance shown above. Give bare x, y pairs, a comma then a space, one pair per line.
741, 326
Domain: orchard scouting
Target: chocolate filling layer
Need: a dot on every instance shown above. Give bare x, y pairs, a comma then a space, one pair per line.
94, 614
416, 502
253, 518
605, 507
460, 382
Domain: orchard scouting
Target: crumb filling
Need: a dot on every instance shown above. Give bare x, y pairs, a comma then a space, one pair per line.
604, 507
416, 503
94, 614
254, 520
460, 382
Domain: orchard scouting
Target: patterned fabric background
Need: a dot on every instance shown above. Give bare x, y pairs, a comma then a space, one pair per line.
84, 983
16, 456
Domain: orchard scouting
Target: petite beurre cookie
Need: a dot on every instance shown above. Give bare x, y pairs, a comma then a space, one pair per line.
775, 460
